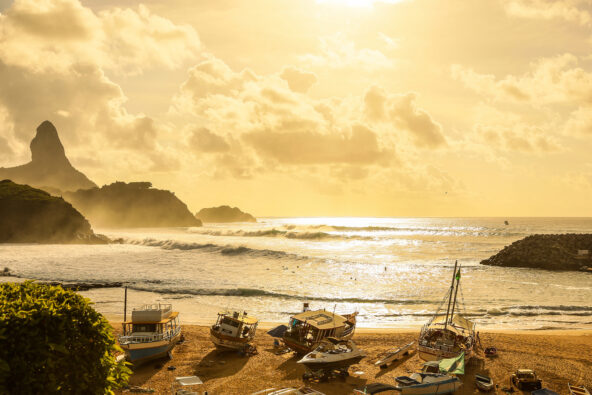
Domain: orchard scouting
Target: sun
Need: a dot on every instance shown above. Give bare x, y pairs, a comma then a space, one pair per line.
357, 3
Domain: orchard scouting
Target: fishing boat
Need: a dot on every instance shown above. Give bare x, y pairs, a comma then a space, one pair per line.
427, 384
447, 335
152, 332
307, 329
333, 353
483, 383
577, 390
233, 330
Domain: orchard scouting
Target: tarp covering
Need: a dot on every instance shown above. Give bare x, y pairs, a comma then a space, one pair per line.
453, 365
457, 320
278, 331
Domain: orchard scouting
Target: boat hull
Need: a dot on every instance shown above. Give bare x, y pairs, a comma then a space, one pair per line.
139, 353
444, 387
224, 342
434, 354
301, 348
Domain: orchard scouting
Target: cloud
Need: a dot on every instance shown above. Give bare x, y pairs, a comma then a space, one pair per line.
203, 140
360, 146
298, 80
550, 80
34, 35
569, 10
405, 114
337, 52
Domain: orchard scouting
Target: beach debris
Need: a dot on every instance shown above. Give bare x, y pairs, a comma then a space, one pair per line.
484, 383
577, 390
374, 388
6, 272
359, 373
525, 379
544, 391
171, 367
222, 362
185, 381
491, 352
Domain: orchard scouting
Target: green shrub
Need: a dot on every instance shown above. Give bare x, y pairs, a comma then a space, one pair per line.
53, 341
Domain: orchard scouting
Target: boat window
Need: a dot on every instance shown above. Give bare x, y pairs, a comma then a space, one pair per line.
228, 321
144, 328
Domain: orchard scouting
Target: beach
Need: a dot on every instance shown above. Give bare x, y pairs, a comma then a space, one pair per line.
559, 357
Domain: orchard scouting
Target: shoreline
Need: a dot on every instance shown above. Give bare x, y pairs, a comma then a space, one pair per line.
558, 357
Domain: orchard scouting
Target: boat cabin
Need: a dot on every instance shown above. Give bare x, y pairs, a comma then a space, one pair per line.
235, 324
308, 328
151, 320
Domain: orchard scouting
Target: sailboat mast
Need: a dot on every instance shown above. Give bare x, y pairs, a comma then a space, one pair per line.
455, 293
450, 296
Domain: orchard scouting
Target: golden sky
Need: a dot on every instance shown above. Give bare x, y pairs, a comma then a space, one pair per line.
313, 107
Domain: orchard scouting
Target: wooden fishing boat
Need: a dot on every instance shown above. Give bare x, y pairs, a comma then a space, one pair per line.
577, 390
152, 332
307, 329
393, 355
447, 335
483, 383
233, 330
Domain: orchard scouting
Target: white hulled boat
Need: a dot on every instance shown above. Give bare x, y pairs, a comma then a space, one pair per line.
447, 335
152, 332
333, 353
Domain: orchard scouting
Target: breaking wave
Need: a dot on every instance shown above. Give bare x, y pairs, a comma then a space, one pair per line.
210, 247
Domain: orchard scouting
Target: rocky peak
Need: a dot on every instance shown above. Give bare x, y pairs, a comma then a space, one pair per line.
46, 145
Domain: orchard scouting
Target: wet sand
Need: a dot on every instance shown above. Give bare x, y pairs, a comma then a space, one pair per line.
558, 357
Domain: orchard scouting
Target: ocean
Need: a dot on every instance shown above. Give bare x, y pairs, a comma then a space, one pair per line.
394, 271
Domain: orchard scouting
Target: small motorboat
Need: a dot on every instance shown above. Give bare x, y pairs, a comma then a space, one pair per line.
289, 391
577, 390
333, 353
374, 388
393, 355
152, 332
490, 352
483, 383
233, 330
427, 384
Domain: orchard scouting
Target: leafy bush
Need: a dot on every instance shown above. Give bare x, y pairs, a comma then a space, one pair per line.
53, 341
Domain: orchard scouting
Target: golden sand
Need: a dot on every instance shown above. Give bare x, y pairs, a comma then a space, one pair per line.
558, 357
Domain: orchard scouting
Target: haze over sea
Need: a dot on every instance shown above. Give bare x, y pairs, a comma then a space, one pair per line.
393, 271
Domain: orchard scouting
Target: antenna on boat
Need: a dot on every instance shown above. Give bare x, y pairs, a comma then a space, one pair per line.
450, 295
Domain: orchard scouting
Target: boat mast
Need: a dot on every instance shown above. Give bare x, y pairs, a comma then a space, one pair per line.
455, 293
450, 295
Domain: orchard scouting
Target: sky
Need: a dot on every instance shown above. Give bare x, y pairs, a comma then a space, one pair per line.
312, 107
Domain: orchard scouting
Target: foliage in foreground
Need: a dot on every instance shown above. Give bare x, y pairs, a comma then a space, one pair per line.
53, 341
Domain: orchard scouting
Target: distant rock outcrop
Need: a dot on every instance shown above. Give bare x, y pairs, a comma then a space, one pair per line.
49, 168
224, 214
133, 205
29, 215
551, 252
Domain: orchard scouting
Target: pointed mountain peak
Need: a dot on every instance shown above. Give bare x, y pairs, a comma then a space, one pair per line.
46, 145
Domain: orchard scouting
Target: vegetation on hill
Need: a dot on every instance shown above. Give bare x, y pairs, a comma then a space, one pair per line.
54, 342
129, 205
224, 214
29, 215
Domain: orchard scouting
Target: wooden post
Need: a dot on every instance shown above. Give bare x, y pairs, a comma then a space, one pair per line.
125, 305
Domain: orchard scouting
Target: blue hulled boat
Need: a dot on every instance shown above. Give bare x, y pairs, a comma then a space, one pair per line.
152, 332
